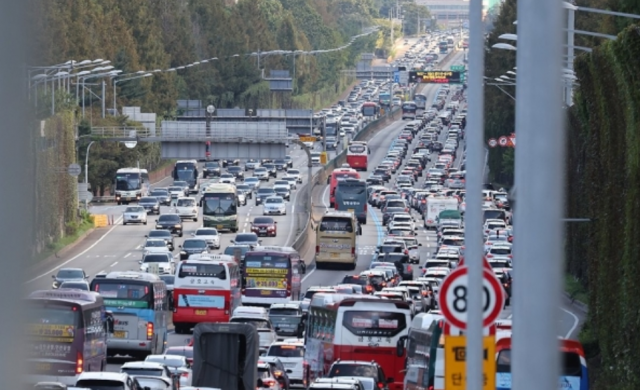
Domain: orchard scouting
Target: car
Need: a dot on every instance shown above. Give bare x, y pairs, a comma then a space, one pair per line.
249, 239
75, 285
332, 143
264, 193
246, 189
171, 222
236, 171
134, 214
274, 205
294, 173
281, 164
102, 380
163, 234
210, 235
187, 208
185, 351
151, 204
280, 372
242, 197
264, 226
351, 368
289, 160
271, 168
261, 173
177, 364
283, 191
162, 194
288, 319
182, 184
266, 377
237, 252
166, 263
211, 169
253, 183
155, 245
227, 178
176, 192
193, 246
155, 382
251, 164
149, 369
292, 181
283, 182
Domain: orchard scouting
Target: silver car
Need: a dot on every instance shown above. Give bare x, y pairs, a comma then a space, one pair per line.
274, 205
134, 214
210, 235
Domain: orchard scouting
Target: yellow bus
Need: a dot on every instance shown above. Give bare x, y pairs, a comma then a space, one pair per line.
336, 239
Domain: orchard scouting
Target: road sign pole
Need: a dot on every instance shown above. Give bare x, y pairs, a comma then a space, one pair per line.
539, 178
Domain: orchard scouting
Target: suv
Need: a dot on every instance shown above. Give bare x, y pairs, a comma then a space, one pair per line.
171, 222
291, 354
211, 169
352, 368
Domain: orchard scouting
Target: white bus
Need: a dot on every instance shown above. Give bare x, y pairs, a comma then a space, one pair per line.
131, 184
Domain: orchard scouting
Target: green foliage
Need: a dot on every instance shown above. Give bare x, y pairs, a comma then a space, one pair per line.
603, 179
499, 108
412, 12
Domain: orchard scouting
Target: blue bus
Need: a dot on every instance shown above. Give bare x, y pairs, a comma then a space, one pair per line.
351, 195
409, 110
421, 100
139, 303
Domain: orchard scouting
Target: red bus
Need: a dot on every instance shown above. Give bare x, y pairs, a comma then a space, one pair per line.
361, 328
205, 290
339, 174
370, 109
357, 154
271, 274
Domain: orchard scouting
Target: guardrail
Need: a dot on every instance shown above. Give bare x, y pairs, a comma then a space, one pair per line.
251, 132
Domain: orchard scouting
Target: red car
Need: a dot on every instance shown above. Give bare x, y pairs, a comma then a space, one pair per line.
264, 226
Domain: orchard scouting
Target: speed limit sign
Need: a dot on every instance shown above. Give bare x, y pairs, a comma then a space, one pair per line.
453, 297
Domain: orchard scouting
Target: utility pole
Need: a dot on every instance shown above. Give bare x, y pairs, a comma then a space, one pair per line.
103, 94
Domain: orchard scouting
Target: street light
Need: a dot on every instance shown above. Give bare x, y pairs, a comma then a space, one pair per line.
93, 76
115, 81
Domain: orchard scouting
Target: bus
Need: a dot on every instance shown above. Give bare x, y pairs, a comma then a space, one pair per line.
357, 154
444, 47
370, 109
187, 170
351, 195
339, 174
271, 274
332, 128
205, 290
363, 328
450, 42
131, 185
384, 98
139, 302
409, 110
66, 335
421, 100
573, 372
220, 207
336, 239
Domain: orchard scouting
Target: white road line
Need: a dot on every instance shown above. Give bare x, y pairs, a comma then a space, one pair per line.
127, 255
576, 321
112, 265
324, 195
510, 316
139, 247
76, 256
309, 274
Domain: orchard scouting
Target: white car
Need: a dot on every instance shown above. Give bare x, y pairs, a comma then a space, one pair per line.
403, 218
134, 214
187, 208
242, 198
261, 173
155, 245
165, 262
309, 144
291, 354
274, 205
210, 235
292, 180
283, 182
294, 173
177, 364
227, 178
253, 183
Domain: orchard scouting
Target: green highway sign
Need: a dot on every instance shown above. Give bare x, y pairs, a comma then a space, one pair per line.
457, 68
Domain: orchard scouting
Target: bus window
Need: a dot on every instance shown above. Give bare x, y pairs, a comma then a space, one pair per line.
336, 225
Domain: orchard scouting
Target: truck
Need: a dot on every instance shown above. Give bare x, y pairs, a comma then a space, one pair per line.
435, 206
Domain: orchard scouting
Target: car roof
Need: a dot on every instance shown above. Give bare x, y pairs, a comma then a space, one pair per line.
143, 364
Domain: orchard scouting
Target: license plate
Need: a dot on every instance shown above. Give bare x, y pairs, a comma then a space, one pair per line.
201, 312
351, 210
335, 255
43, 366
120, 334
219, 226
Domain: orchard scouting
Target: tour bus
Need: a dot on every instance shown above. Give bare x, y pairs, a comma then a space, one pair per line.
271, 274
131, 185
362, 328
139, 303
187, 170
420, 100
409, 110
370, 109
351, 195
450, 42
384, 98
443, 46
573, 375
336, 175
336, 239
357, 154
220, 207
66, 335
205, 290
332, 128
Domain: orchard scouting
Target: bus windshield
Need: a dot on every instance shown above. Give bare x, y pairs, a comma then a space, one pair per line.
203, 270
374, 323
357, 149
50, 319
185, 174
352, 188
336, 224
121, 293
219, 204
127, 181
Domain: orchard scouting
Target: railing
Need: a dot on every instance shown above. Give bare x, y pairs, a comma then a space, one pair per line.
246, 132
121, 132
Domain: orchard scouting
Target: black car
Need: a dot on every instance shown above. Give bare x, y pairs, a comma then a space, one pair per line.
230, 162
402, 262
281, 164
264, 193
271, 168
162, 195
151, 204
193, 246
211, 169
383, 173
165, 234
375, 180
237, 172
171, 222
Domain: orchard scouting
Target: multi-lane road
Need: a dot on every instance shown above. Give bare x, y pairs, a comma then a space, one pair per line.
118, 247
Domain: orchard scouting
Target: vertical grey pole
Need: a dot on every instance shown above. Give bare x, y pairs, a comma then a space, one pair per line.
539, 177
473, 214
53, 97
77, 89
103, 102
570, 52
83, 97
86, 173
114, 97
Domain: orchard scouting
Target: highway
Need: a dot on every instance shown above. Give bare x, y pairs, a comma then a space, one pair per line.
118, 247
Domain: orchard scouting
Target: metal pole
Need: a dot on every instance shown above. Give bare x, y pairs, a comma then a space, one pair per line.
103, 103
114, 97
539, 177
77, 89
86, 173
53, 97
570, 52
83, 97
473, 214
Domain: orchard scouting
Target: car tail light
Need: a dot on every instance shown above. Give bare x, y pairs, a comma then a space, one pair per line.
185, 375
227, 303
353, 251
149, 330
380, 385
79, 363
268, 382
317, 249
489, 255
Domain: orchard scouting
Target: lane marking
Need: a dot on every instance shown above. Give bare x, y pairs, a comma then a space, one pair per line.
576, 321
112, 265
309, 274
115, 225
324, 197
127, 255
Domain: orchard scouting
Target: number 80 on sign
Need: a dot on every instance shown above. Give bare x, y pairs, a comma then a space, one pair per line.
453, 299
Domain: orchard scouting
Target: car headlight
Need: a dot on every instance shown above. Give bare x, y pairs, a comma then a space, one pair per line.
158, 226
177, 226
183, 252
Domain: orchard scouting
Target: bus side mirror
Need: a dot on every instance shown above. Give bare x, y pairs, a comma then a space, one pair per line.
109, 322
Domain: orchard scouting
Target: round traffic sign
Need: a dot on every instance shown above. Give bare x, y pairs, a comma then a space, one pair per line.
74, 170
503, 141
453, 297
492, 142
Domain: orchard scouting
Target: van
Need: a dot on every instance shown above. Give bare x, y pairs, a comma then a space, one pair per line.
258, 317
